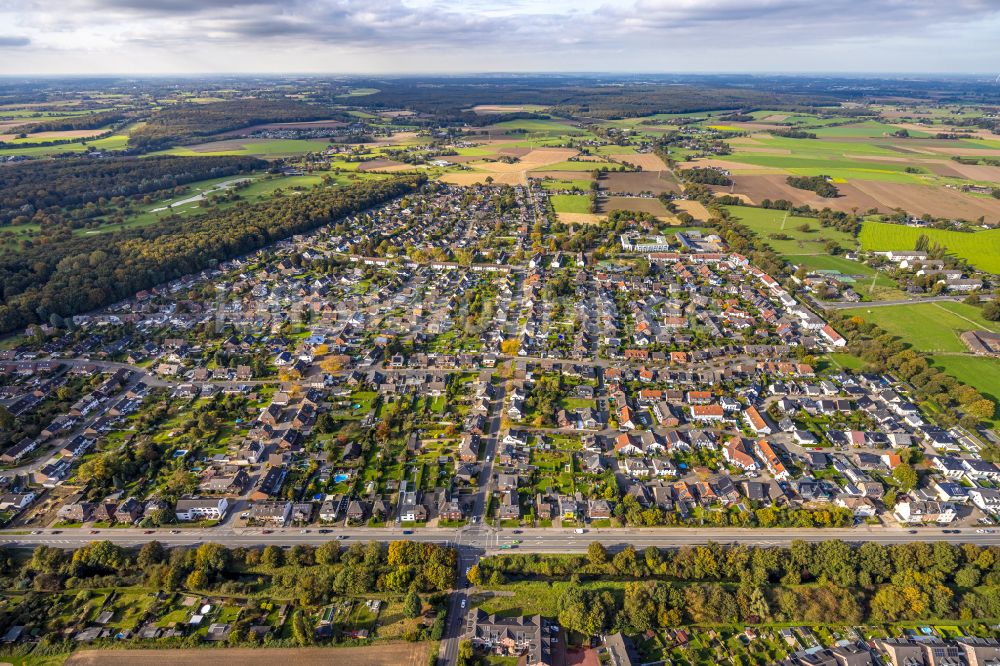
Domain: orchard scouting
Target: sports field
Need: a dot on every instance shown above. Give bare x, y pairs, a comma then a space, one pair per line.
928, 327
981, 248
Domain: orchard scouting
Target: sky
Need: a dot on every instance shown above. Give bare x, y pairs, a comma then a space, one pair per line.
475, 36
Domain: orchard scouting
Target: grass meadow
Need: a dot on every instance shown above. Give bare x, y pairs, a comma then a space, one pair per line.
929, 327
981, 249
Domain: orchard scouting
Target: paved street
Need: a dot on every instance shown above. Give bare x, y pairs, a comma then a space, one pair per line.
488, 540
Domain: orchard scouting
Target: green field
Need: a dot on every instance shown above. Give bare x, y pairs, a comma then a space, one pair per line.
570, 203
981, 249
257, 147
845, 361
929, 327
826, 262
550, 128
982, 374
766, 222
113, 142
554, 184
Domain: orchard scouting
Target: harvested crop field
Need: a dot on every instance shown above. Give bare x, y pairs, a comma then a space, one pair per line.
647, 161
478, 177
693, 208
394, 654
514, 152
634, 182
579, 218
533, 159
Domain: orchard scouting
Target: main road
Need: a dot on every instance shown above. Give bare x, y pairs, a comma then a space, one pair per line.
488, 541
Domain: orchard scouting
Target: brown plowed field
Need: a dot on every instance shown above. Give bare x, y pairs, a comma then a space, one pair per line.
635, 182
378, 165
648, 161
651, 206
867, 194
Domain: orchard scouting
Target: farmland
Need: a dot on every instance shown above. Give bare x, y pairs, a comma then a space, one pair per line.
981, 249
876, 165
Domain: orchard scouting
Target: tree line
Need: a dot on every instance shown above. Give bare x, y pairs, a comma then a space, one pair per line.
72, 123
37, 190
187, 122
78, 273
821, 185
829, 582
705, 176
448, 99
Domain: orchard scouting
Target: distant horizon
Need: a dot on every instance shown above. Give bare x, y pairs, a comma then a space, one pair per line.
933, 76
438, 37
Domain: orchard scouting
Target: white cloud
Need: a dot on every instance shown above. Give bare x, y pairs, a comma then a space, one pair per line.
485, 35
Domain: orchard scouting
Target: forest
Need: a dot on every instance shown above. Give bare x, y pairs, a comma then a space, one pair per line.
448, 98
34, 191
188, 122
71, 123
77, 273
830, 582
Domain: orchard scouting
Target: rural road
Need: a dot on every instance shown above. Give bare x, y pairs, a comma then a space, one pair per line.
844, 305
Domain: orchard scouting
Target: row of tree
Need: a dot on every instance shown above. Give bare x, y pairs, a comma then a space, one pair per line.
826, 582
308, 574
186, 122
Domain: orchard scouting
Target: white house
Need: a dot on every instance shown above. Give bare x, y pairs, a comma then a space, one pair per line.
201, 509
